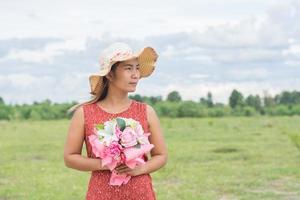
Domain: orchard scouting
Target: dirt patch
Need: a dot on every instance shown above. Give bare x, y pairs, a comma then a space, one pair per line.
225, 150
37, 157
4, 198
281, 187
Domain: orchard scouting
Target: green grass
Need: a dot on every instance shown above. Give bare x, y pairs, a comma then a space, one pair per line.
209, 158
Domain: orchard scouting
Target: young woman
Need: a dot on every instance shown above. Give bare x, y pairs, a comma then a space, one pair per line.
120, 72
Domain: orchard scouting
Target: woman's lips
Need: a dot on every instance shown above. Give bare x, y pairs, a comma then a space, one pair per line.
133, 83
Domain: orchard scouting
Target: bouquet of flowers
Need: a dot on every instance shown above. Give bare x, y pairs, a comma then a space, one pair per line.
120, 141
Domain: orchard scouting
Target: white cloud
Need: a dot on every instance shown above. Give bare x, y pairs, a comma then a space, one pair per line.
17, 80
169, 52
47, 53
293, 51
248, 56
273, 37
26, 88
248, 74
199, 76
33, 18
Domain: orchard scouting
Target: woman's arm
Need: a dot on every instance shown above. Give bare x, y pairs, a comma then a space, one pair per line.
159, 154
73, 146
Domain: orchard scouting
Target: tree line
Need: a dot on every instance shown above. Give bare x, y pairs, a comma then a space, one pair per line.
286, 103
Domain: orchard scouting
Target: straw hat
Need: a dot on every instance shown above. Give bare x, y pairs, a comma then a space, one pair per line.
120, 52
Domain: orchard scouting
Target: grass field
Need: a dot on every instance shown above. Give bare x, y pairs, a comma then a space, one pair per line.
209, 158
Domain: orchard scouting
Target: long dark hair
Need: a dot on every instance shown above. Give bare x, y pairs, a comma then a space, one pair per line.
98, 96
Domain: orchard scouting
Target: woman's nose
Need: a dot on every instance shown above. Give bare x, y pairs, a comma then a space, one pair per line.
136, 73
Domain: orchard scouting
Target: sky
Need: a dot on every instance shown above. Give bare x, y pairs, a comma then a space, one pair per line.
48, 49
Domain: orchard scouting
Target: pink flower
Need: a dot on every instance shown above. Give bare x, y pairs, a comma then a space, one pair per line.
113, 150
139, 130
118, 132
128, 137
97, 147
141, 136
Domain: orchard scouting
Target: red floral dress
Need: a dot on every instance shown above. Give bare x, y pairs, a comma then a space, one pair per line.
138, 187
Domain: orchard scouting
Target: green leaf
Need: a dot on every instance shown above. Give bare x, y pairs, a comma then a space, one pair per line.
101, 138
99, 126
121, 123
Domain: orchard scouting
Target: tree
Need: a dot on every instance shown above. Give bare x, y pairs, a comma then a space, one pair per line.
288, 98
137, 97
268, 99
236, 99
1, 100
5, 112
208, 101
203, 101
296, 97
154, 100
254, 101
46, 102
174, 96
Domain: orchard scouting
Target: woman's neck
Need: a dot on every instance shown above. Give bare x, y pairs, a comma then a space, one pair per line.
116, 98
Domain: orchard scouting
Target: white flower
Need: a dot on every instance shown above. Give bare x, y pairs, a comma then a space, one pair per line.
131, 122
108, 135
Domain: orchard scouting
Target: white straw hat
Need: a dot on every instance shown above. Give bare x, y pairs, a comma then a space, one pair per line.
120, 52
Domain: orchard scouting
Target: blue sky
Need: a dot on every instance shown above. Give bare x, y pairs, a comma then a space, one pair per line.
49, 48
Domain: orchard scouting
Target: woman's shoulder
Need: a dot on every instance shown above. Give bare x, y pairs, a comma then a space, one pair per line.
148, 107
78, 114
150, 111
83, 108
152, 117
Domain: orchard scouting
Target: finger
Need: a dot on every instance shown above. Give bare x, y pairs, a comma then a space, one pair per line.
122, 167
130, 173
124, 170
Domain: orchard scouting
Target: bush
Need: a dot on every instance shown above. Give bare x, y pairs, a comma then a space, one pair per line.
191, 109
296, 110
249, 111
279, 110
5, 112
219, 111
237, 111
167, 109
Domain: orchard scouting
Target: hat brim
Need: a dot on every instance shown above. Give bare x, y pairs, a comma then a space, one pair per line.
146, 57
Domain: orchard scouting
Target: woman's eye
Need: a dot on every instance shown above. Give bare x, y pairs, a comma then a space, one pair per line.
131, 68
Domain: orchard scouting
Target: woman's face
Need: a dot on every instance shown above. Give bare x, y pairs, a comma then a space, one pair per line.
126, 75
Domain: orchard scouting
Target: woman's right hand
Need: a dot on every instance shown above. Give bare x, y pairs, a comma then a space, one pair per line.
102, 167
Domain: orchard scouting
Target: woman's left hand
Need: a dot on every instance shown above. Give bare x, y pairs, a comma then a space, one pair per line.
124, 169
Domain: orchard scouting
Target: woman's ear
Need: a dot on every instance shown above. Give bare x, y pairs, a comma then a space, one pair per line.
109, 76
